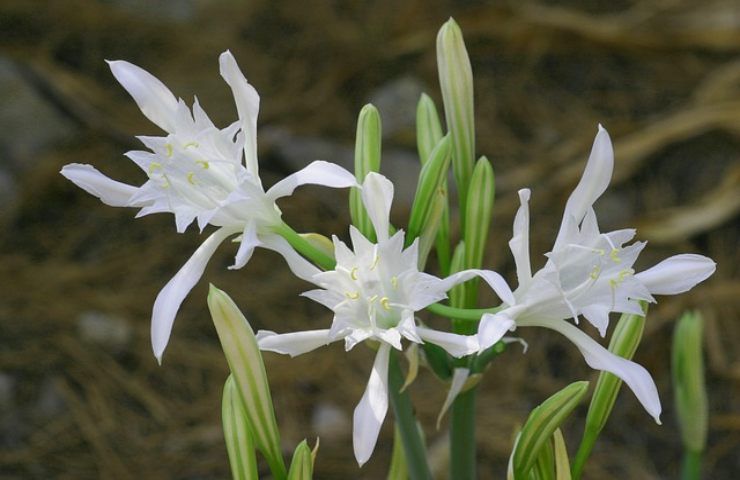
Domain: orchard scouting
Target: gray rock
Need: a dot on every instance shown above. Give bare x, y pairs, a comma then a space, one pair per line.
396, 101
330, 422
113, 333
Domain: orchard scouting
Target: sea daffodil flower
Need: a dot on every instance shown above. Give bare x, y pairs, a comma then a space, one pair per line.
374, 292
590, 273
200, 172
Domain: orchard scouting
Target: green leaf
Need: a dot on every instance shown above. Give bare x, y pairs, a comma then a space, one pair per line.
239, 443
248, 370
478, 213
367, 159
688, 381
398, 469
560, 451
301, 467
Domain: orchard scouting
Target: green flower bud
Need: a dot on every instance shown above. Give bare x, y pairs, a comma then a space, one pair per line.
301, 467
560, 451
477, 221
248, 370
431, 178
367, 159
428, 127
540, 426
320, 242
239, 443
457, 294
456, 83
688, 381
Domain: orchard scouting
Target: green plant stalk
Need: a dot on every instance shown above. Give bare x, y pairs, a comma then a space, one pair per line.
691, 466
413, 446
462, 437
305, 248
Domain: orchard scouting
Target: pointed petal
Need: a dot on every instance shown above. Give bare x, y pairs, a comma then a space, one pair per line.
370, 412
595, 179
599, 358
492, 328
459, 377
247, 105
677, 274
300, 267
519, 243
377, 196
109, 191
293, 344
248, 241
493, 279
152, 96
172, 295
598, 315
456, 345
318, 172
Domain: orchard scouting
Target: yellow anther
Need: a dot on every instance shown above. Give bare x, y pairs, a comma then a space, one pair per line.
614, 255
376, 260
595, 272
353, 273
203, 164
170, 149
384, 302
394, 281
191, 178
624, 274
601, 251
154, 166
191, 144
352, 295
372, 299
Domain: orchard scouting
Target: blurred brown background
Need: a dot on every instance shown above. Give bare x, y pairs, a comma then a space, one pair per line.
81, 395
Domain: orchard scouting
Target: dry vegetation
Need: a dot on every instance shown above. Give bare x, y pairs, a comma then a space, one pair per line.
664, 77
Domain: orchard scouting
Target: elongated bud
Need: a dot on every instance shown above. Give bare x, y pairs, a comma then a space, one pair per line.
457, 293
560, 451
239, 443
429, 234
367, 159
301, 467
540, 426
428, 127
477, 222
688, 381
624, 342
319, 242
431, 179
248, 370
456, 82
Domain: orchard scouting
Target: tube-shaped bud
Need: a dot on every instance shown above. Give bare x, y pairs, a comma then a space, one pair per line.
239, 443
368, 142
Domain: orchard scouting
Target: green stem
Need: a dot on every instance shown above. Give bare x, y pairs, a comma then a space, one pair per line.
305, 248
462, 437
413, 446
584, 451
472, 314
691, 468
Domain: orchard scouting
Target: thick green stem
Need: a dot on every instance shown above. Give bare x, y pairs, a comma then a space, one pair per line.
471, 314
413, 446
584, 451
691, 468
462, 437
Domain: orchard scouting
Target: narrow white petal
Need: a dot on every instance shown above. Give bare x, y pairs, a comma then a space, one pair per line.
247, 105
598, 315
172, 295
459, 377
455, 344
677, 274
293, 344
370, 412
377, 196
247, 244
300, 267
155, 100
492, 328
599, 358
493, 279
595, 179
109, 191
519, 243
318, 172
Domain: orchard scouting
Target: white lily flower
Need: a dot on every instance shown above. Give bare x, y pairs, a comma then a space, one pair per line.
590, 273
374, 292
200, 172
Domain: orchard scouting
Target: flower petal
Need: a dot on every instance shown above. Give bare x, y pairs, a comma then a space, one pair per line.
455, 344
370, 412
155, 100
492, 328
519, 243
599, 358
493, 279
459, 377
300, 267
109, 191
247, 105
293, 344
677, 274
172, 295
247, 244
377, 196
318, 172
598, 315
595, 179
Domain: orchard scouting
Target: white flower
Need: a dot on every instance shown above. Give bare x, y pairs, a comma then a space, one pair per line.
199, 172
590, 273
374, 292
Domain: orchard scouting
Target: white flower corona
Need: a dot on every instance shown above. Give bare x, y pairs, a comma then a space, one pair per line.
374, 292
590, 273
199, 172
